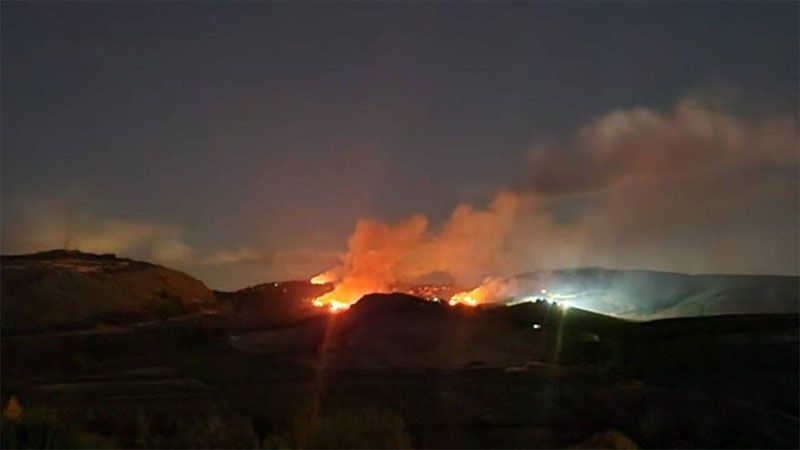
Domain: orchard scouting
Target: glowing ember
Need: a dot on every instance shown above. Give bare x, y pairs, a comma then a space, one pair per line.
338, 306
333, 306
347, 292
471, 298
432, 292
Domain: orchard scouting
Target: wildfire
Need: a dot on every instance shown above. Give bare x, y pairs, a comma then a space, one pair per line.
344, 295
333, 306
338, 306
349, 290
338, 299
346, 292
323, 278
469, 298
491, 290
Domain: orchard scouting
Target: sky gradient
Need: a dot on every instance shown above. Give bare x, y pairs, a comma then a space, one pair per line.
242, 142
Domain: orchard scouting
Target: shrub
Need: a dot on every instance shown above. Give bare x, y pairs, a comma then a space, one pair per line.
611, 439
362, 429
43, 428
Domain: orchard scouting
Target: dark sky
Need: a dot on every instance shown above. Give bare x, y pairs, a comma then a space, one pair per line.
265, 130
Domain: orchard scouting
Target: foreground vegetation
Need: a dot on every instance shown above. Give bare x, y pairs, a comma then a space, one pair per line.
715, 382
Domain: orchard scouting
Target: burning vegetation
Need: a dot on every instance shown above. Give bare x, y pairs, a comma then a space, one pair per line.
602, 198
408, 255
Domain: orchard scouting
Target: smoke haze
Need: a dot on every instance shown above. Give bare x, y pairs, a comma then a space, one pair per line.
695, 189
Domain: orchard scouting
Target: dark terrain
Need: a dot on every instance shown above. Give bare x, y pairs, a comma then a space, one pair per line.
648, 295
62, 289
261, 368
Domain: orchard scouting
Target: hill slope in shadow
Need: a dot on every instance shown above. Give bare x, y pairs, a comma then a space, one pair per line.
63, 289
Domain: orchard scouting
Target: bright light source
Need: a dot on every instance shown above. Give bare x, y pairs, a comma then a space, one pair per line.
522, 300
337, 306
463, 299
544, 291
536, 326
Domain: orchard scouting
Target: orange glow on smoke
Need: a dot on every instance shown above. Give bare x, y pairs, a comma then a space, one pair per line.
492, 290
323, 278
347, 292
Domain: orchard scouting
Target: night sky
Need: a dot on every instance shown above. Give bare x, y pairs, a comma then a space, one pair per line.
242, 142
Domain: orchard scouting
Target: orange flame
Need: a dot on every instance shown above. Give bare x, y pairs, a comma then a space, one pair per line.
347, 292
492, 290
334, 306
382, 257
323, 278
468, 298
338, 306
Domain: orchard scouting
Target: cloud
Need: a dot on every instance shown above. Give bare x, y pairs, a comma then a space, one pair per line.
54, 223
243, 255
172, 250
48, 222
294, 261
246, 266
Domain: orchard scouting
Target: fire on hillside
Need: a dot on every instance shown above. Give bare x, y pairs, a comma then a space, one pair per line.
494, 291
347, 292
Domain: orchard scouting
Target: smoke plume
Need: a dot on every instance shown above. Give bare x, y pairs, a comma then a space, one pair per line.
695, 189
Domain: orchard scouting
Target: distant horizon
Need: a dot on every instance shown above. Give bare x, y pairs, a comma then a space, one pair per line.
520, 274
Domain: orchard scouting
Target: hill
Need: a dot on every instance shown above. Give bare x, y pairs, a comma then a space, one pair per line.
404, 331
271, 304
455, 376
646, 295
63, 289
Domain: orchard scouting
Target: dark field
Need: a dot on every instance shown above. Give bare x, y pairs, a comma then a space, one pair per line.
351, 380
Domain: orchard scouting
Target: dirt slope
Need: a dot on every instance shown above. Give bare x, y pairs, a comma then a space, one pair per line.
69, 289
